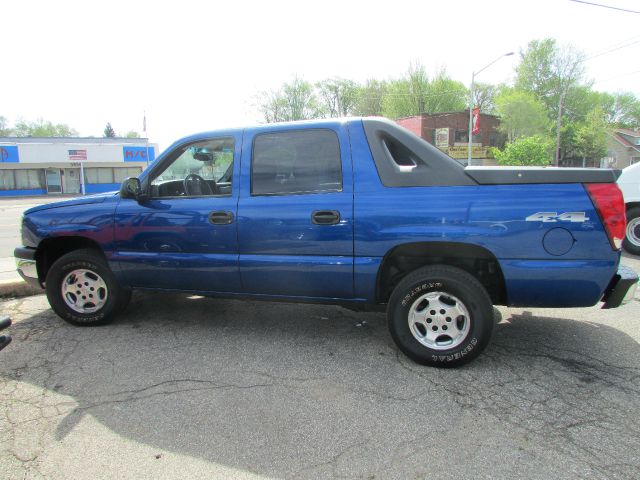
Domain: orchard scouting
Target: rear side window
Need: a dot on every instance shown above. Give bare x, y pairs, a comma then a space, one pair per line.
300, 161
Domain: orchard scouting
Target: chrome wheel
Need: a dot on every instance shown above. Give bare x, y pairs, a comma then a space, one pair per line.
84, 291
633, 231
439, 321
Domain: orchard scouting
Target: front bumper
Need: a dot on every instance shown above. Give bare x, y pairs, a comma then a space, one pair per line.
26, 265
621, 289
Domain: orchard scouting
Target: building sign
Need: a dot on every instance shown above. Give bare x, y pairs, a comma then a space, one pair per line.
77, 155
9, 154
442, 137
463, 152
138, 154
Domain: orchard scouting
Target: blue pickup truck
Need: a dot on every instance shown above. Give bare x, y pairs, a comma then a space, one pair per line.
355, 212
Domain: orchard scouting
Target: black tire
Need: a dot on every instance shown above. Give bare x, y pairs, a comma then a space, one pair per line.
631, 242
459, 290
114, 299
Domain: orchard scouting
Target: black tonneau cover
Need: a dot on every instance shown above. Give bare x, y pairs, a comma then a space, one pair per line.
513, 175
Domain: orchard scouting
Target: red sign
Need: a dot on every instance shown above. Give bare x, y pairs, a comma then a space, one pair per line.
475, 121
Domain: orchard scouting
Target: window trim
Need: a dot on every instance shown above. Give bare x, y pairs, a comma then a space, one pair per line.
172, 157
306, 192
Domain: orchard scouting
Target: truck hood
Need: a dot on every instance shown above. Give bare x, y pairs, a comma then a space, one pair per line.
87, 200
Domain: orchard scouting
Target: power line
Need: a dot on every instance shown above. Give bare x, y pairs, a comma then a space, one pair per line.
621, 44
605, 6
611, 50
616, 77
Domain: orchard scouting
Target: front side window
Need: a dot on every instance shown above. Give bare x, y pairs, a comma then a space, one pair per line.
200, 169
301, 161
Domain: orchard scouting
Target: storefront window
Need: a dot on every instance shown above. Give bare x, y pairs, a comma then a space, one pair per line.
29, 179
7, 180
98, 175
119, 174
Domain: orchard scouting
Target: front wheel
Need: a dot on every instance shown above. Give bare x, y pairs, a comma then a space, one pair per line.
82, 290
440, 316
631, 242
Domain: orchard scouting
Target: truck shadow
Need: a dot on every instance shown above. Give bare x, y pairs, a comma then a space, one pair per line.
290, 390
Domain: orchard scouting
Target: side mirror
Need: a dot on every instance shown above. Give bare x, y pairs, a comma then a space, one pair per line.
131, 188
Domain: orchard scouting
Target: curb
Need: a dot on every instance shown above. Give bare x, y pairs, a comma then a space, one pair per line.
13, 289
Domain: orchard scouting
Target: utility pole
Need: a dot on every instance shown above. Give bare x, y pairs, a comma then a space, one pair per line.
556, 162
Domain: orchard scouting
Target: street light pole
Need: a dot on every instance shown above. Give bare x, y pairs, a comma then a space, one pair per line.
473, 78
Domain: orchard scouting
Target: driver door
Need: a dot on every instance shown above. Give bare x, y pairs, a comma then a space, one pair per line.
183, 237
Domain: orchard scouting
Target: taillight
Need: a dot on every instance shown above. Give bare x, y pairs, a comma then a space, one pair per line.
607, 198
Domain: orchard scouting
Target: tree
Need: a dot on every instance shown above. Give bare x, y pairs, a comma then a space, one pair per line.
445, 94
406, 96
337, 96
521, 114
293, 101
621, 109
484, 96
132, 134
42, 128
526, 151
369, 98
5, 131
591, 137
550, 72
109, 132
415, 93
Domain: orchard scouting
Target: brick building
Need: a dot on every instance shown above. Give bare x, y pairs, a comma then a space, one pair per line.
449, 132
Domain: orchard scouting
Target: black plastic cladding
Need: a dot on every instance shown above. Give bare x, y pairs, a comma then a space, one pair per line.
513, 175
431, 168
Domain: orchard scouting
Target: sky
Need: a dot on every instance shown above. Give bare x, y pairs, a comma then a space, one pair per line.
199, 65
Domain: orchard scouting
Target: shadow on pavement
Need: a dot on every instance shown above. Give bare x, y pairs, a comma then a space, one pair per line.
314, 391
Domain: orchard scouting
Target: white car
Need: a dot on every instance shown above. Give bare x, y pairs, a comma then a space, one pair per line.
629, 183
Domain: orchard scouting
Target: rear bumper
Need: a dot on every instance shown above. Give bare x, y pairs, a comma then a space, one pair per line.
621, 289
26, 265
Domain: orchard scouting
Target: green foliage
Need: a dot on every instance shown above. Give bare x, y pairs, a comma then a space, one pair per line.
521, 114
5, 131
337, 96
109, 132
526, 151
369, 98
484, 97
132, 134
415, 93
549, 72
293, 101
42, 128
621, 109
591, 137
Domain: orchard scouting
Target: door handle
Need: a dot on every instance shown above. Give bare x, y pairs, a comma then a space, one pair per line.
325, 217
220, 217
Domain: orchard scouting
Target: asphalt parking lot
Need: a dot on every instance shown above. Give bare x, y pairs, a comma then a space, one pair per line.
193, 387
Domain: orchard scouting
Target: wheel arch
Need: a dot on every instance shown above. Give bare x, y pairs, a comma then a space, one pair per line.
51, 249
474, 259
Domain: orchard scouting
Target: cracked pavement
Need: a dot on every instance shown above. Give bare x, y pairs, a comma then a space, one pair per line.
191, 387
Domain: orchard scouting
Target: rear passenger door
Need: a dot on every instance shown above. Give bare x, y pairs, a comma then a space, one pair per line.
295, 213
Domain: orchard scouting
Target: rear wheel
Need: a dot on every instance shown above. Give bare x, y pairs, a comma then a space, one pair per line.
82, 290
631, 242
440, 316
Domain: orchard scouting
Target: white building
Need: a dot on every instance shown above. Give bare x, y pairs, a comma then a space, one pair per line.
37, 166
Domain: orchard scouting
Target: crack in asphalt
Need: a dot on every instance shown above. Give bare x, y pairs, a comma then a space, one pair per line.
558, 399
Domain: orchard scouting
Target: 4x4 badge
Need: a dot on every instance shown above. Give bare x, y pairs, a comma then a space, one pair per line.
556, 217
